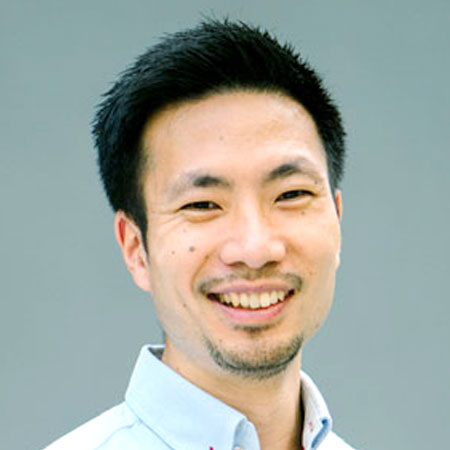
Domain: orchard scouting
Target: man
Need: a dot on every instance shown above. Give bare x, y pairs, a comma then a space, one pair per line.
221, 153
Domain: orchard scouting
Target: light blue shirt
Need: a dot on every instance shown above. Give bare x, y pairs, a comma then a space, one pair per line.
163, 411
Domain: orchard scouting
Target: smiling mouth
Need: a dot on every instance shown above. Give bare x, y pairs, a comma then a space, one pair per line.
252, 300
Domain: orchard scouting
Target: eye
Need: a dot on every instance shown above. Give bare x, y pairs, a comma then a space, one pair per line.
292, 195
200, 206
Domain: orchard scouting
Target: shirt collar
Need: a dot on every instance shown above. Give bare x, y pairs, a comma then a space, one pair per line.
317, 420
181, 414
186, 417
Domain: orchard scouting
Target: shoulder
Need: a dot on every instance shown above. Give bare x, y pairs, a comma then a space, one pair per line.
95, 433
334, 442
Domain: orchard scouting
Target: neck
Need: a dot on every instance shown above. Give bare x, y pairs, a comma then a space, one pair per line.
271, 404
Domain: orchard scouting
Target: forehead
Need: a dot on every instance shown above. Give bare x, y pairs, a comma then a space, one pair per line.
215, 132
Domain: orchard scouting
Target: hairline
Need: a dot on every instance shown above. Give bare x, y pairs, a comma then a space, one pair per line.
144, 157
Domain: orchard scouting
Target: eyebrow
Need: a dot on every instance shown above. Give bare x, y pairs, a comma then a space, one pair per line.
298, 166
198, 180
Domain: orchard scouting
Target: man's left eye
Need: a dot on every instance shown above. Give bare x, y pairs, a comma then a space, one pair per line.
289, 195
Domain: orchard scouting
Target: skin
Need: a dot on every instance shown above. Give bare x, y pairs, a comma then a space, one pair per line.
238, 200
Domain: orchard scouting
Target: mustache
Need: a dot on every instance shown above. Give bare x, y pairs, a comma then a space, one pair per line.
293, 280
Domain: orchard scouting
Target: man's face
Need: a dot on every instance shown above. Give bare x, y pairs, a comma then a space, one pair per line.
243, 231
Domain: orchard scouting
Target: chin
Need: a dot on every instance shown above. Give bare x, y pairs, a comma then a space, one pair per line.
261, 362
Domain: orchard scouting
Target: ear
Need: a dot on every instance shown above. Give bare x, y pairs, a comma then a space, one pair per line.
338, 203
130, 240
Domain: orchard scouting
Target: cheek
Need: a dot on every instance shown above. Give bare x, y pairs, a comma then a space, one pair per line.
317, 253
317, 245
175, 263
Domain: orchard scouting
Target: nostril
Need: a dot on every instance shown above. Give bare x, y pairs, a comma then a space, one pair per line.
253, 254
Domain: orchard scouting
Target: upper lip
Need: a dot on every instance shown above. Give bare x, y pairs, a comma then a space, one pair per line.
219, 286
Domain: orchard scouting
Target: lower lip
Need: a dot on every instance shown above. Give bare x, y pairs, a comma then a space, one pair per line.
252, 316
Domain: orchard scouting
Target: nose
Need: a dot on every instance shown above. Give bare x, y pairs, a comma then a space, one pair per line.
253, 240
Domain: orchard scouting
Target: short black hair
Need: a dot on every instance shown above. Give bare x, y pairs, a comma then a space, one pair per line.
215, 56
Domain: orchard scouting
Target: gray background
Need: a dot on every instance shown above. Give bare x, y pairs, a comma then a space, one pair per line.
71, 320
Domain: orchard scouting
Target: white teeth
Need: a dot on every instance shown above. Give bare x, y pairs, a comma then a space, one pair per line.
252, 300
234, 299
265, 300
244, 300
273, 297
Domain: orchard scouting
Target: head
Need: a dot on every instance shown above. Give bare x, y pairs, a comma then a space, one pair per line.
211, 58
222, 153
